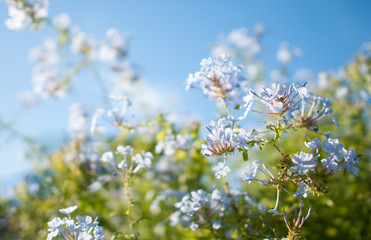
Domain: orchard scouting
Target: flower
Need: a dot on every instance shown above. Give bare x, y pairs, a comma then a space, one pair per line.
311, 110
22, 14
334, 148
171, 143
221, 170
124, 150
351, 159
280, 98
303, 163
114, 47
54, 226
219, 140
81, 229
218, 78
82, 43
251, 171
107, 157
77, 120
284, 53
68, 210
62, 22
187, 206
314, 144
119, 111
143, 161
303, 191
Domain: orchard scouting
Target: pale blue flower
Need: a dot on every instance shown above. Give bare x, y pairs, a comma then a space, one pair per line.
221, 170
311, 111
303, 163
303, 191
143, 161
329, 163
334, 148
124, 150
251, 171
349, 162
218, 78
194, 226
279, 98
187, 206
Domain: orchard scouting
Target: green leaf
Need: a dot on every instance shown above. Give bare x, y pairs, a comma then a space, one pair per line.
237, 107
245, 155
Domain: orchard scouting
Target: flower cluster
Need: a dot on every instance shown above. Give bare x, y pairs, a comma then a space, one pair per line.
311, 111
240, 41
143, 160
173, 142
47, 80
338, 158
218, 78
200, 209
279, 99
84, 228
24, 12
116, 46
115, 116
224, 138
285, 53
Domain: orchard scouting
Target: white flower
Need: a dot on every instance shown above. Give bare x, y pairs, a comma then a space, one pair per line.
107, 157
98, 114
68, 210
21, 15
280, 98
221, 170
218, 78
62, 22
81, 43
118, 112
55, 223
247, 44
77, 119
19, 18
220, 139
124, 150
284, 53
143, 161
114, 47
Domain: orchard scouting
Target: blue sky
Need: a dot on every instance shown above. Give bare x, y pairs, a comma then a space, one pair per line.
169, 39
